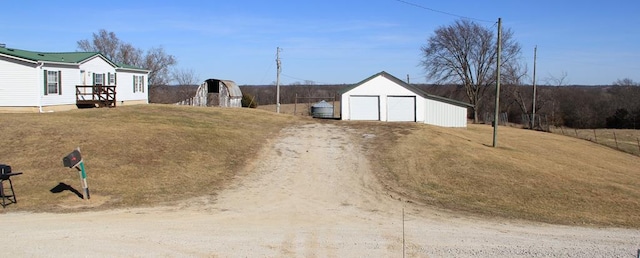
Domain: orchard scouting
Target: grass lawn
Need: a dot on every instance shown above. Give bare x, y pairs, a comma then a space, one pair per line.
532, 175
134, 155
627, 140
150, 154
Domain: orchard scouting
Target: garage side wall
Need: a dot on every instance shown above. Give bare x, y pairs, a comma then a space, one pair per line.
444, 114
383, 88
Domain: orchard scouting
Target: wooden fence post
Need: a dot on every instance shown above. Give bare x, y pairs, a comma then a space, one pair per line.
595, 136
615, 139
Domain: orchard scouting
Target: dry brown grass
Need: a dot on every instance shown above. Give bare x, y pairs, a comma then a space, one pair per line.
149, 154
532, 175
134, 155
626, 140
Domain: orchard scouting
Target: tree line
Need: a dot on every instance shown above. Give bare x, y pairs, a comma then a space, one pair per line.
161, 65
461, 60
575, 106
465, 54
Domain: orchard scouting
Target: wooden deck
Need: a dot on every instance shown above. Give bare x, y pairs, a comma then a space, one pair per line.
88, 96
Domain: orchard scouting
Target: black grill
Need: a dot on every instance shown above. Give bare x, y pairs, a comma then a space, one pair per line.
8, 195
5, 169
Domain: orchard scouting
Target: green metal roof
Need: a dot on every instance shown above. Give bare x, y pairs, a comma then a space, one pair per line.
59, 57
62, 57
125, 66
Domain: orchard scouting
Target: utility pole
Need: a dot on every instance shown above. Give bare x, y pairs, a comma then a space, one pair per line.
278, 80
495, 118
533, 114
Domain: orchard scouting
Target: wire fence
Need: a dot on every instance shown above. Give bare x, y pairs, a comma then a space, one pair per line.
503, 118
541, 122
626, 140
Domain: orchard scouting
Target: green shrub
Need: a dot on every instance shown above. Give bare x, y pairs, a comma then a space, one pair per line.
249, 101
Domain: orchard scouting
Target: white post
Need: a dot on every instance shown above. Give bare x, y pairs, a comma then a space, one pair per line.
278, 80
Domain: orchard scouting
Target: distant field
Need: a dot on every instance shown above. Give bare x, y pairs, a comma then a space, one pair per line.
626, 140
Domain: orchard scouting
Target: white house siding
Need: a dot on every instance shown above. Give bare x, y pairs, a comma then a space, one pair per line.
70, 77
95, 65
18, 83
445, 114
124, 90
384, 88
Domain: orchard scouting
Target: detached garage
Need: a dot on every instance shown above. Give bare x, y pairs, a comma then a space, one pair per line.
383, 97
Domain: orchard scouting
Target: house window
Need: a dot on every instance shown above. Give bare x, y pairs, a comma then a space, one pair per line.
138, 83
112, 79
52, 82
98, 79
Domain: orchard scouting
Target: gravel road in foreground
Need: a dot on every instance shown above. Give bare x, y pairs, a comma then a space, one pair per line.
309, 194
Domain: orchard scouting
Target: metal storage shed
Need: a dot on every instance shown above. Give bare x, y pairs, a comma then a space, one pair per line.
383, 97
216, 92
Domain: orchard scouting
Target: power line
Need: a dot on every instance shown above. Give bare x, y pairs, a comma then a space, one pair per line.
295, 78
442, 12
300, 79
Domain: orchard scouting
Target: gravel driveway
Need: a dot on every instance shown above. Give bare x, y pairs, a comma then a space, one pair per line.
310, 193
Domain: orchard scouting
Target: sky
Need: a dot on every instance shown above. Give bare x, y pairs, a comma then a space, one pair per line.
585, 42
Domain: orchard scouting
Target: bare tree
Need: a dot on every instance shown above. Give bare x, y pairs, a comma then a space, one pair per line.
155, 60
559, 80
627, 94
185, 77
159, 64
107, 43
513, 76
465, 53
130, 55
625, 82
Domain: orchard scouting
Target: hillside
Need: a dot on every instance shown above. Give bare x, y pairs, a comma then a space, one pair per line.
148, 155
134, 155
309, 193
532, 175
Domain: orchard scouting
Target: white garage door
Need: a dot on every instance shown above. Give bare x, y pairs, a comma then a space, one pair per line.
401, 108
364, 107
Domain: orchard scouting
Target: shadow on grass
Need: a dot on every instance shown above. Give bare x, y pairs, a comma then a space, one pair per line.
61, 187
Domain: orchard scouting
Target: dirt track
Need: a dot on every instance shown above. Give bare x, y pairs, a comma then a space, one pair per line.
309, 194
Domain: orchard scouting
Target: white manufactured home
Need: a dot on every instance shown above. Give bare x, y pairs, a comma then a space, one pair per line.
383, 97
32, 81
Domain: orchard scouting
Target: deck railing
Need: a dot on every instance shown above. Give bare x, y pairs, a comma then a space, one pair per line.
103, 96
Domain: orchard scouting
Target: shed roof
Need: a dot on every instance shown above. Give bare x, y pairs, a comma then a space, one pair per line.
410, 87
322, 104
59, 57
234, 90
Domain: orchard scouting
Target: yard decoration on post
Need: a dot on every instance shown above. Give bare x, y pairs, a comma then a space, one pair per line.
74, 159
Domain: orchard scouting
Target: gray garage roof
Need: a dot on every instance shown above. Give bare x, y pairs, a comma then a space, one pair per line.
410, 87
